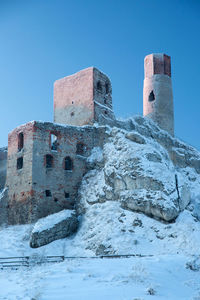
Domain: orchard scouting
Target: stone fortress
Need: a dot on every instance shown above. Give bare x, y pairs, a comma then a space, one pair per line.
47, 161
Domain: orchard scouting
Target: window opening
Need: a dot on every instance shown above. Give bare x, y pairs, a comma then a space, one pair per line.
49, 161
80, 148
19, 163
20, 141
99, 87
54, 142
151, 96
105, 112
104, 101
68, 163
55, 199
48, 193
66, 195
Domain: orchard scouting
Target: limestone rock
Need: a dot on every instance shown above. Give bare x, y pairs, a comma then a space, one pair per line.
53, 227
4, 206
135, 137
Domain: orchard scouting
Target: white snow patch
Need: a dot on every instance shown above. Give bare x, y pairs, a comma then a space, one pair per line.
50, 221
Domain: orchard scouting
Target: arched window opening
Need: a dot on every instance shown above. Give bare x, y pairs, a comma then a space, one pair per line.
107, 87
99, 86
49, 161
151, 96
20, 141
68, 163
105, 112
48, 193
105, 102
19, 163
80, 149
54, 142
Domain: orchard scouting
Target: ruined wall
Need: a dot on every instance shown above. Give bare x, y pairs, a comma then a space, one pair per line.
39, 189
83, 98
103, 110
3, 165
19, 178
73, 99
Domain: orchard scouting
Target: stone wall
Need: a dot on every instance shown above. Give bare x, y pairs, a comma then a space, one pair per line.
103, 110
42, 186
19, 178
157, 92
83, 98
3, 165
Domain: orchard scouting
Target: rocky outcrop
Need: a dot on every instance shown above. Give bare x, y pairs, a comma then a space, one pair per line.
138, 172
53, 227
4, 207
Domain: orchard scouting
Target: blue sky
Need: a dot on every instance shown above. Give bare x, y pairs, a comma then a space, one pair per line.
44, 40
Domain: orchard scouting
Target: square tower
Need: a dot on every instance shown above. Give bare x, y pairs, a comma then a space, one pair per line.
83, 98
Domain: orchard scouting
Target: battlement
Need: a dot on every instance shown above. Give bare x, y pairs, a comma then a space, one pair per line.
157, 63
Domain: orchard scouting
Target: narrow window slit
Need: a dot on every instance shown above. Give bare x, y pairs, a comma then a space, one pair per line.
54, 142
68, 163
20, 141
151, 96
49, 161
19, 163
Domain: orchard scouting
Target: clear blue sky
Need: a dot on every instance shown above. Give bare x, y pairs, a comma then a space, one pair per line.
44, 40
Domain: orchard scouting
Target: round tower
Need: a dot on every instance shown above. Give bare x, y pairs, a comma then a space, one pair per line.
157, 91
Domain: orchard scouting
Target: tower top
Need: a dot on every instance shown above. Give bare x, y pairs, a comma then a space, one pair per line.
157, 63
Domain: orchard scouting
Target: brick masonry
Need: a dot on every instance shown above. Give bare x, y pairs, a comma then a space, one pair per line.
83, 98
36, 190
157, 91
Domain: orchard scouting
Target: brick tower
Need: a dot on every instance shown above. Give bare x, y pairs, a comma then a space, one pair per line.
83, 98
157, 91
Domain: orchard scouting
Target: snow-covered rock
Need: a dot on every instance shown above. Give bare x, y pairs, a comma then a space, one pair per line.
53, 227
138, 172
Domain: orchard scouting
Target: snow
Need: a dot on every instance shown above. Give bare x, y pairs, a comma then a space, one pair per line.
96, 155
2, 192
119, 279
168, 260
103, 106
50, 221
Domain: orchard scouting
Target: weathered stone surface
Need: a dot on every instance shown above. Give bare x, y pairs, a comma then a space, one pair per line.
4, 206
3, 164
36, 191
154, 204
157, 91
83, 98
53, 227
140, 176
135, 137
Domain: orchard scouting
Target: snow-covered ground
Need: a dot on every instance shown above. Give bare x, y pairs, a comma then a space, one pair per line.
119, 279
169, 268
164, 272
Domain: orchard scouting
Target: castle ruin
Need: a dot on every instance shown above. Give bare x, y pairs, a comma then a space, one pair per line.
47, 161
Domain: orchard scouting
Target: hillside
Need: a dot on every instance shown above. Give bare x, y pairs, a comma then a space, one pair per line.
140, 196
